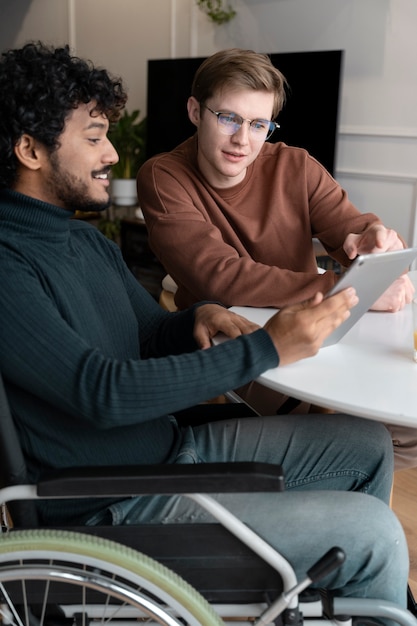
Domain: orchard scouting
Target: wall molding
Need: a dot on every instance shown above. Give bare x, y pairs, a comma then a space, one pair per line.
380, 134
391, 177
72, 28
378, 131
374, 175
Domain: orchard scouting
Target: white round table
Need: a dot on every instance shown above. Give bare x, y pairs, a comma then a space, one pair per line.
369, 373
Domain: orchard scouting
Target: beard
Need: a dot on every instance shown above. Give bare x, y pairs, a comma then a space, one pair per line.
72, 192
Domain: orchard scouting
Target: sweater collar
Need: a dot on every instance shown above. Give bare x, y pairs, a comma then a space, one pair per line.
28, 213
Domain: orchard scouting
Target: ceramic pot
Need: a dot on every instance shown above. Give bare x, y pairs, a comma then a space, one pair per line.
124, 192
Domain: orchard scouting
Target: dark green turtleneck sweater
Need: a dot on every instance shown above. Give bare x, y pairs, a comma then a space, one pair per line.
92, 365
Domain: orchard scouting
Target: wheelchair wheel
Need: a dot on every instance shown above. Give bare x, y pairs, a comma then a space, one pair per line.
62, 578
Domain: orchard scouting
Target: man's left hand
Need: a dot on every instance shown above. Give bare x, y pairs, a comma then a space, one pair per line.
376, 238
211, 319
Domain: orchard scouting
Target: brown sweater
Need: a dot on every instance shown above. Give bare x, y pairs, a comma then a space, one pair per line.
250, 244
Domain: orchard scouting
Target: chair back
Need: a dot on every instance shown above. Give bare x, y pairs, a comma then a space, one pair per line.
13, 469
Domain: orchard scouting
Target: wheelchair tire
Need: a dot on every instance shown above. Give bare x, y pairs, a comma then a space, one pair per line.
58, 577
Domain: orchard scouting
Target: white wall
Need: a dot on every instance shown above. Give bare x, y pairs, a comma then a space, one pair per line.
377, 143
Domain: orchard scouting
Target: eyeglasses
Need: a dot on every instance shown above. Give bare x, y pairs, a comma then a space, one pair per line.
230, 123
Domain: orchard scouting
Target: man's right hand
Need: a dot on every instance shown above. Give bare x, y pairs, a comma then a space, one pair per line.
298, 331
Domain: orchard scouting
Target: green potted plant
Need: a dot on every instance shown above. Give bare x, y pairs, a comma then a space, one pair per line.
128, 136
217, 11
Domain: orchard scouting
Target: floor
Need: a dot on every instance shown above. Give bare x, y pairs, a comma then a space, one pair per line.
404, 503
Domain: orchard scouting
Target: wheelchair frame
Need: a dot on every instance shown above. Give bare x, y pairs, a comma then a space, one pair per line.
152, 584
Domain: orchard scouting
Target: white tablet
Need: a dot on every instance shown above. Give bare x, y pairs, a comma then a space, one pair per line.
370, 275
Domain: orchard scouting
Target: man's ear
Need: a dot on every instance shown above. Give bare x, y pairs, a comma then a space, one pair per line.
29, 152
193, 108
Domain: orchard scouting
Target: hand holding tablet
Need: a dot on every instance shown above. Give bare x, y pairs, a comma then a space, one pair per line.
370, 275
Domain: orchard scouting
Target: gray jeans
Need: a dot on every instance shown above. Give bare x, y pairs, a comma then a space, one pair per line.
338, 472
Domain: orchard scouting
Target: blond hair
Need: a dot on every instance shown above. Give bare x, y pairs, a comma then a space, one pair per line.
235, 68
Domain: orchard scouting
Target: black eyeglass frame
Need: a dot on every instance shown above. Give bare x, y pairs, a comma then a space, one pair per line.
273, 126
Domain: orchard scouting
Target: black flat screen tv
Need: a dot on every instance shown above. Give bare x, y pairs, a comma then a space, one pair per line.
308, 120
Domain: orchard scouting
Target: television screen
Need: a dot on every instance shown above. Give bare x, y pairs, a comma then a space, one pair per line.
309, 118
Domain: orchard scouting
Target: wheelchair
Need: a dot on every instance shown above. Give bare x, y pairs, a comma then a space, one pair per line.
171, 575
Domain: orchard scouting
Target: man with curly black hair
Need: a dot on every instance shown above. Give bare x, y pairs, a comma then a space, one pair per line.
95, 369
34, 112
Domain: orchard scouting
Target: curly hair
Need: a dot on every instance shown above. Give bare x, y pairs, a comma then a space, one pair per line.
39, 86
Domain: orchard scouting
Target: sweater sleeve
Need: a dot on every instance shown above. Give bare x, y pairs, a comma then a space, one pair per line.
250, 245
254, 249
48, 359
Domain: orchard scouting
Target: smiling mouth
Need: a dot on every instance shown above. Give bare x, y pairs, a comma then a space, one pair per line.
102, 174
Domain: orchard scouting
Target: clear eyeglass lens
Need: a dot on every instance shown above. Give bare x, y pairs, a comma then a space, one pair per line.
230, 123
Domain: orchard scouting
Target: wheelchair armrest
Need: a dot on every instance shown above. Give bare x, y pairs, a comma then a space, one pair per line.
161, 479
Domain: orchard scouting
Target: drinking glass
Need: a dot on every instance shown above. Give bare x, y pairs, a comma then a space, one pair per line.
414, 310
